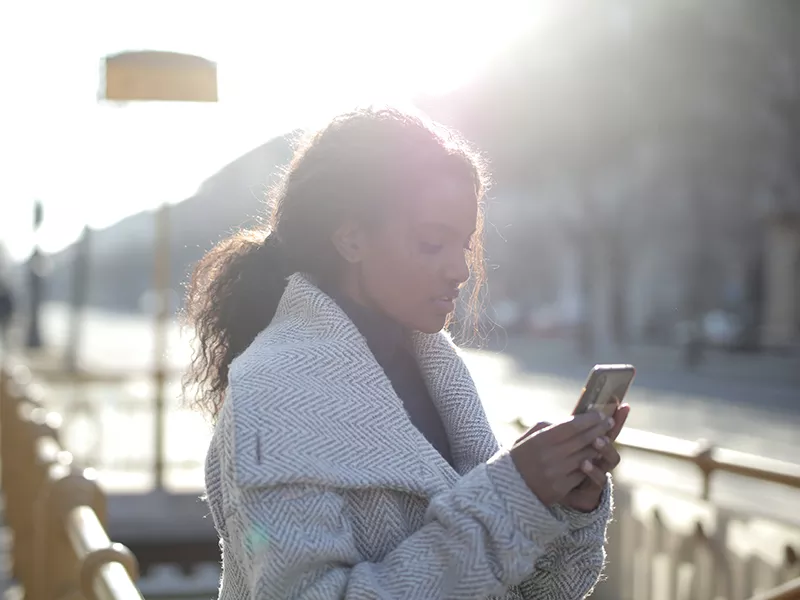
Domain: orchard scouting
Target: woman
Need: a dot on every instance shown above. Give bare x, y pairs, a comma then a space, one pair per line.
351, 457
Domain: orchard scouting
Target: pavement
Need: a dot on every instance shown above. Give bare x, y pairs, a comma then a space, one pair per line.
749, 403
745, 402
753, 409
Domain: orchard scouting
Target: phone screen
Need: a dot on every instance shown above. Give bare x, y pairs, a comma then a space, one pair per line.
605, 389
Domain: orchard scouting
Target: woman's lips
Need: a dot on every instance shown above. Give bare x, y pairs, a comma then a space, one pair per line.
445, 304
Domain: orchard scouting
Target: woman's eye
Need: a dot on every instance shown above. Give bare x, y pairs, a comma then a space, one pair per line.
429, 248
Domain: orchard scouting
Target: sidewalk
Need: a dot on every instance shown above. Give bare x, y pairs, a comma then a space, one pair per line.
751, 407
743, 402
749, 402
751, 368
771, 381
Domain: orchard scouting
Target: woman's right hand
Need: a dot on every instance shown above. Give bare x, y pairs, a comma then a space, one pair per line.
549, 458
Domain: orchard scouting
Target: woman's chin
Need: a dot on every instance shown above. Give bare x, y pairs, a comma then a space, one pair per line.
432, 324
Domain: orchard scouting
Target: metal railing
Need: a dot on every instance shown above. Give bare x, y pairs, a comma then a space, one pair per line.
56, 511
665, 545
710, 459
788, 591
682, 548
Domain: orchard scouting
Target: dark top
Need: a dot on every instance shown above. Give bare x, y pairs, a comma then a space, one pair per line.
390, 344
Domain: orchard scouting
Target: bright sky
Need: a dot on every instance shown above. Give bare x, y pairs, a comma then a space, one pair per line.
281, 64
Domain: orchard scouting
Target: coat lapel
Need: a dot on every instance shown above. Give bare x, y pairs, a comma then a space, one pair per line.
453, 391
311, 342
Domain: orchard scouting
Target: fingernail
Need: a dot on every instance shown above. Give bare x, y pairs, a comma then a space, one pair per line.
599, 443
587, 467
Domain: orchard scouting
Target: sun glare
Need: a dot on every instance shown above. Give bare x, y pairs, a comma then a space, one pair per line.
280, 66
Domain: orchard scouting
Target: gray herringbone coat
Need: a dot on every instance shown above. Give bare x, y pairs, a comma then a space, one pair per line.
321, 487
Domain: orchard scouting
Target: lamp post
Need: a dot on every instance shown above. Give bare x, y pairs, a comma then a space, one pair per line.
148, 76
79, 292
35, 283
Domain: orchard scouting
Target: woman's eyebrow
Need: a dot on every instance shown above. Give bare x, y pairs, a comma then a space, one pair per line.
447, 227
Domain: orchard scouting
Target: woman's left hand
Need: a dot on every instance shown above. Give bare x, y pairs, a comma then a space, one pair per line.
586, 496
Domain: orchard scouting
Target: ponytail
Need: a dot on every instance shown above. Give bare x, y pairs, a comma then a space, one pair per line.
353, 168
232, 296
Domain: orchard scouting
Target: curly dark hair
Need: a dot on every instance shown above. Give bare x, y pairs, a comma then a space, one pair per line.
359, 161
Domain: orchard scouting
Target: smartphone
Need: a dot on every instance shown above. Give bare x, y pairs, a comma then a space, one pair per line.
605, 389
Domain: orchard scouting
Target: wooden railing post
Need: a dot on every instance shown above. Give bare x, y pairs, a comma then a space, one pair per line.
788, 591
77, 557
57, 514
59, 565
704, 459
107, 570
24, 423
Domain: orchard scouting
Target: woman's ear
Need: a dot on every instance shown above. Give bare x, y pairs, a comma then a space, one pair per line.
349, 242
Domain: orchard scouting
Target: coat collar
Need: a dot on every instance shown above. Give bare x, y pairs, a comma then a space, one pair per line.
309, 379
384, 336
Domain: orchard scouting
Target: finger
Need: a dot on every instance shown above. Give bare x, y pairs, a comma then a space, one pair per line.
609, 458
585, 438
596, 475
577, 424
536, 428
573, 461
568, 483
620, 416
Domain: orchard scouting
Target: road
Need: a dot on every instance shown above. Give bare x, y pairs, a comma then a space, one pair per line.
750, 404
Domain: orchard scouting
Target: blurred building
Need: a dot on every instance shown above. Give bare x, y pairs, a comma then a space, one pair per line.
646, 159
646, 167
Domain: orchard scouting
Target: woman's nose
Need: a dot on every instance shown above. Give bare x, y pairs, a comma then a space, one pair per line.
458, 269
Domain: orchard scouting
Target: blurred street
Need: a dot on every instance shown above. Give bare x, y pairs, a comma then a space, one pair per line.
731, 399
755, 412
636, 177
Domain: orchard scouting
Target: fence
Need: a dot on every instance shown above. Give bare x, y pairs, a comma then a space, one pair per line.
663, 545
666, 546
56, 511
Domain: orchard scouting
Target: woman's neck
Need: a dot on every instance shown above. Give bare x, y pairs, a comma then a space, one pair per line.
351, 289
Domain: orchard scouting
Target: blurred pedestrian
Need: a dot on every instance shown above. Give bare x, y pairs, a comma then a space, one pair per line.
6, 310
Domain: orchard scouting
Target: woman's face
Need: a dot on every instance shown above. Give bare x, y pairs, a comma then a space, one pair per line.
412, 264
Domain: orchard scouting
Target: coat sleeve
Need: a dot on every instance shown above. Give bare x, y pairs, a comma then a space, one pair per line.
481, 537
574, 561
